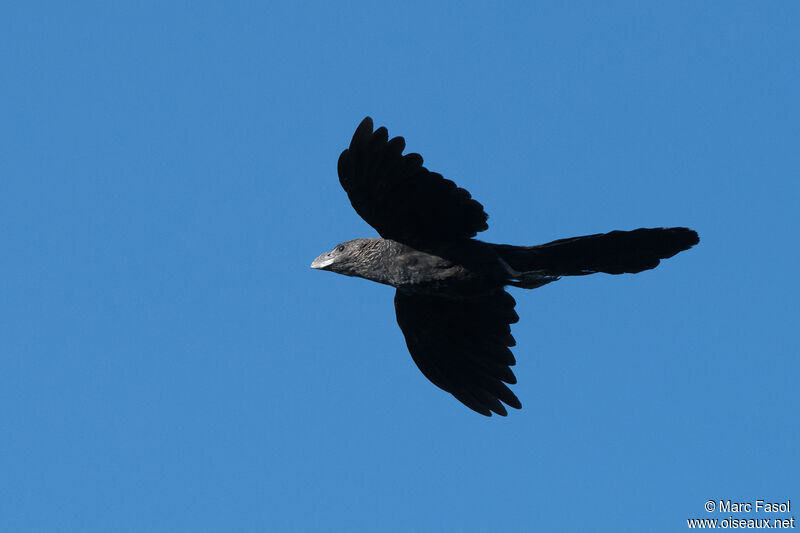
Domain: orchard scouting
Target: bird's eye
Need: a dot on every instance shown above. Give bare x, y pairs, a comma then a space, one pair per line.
340, 248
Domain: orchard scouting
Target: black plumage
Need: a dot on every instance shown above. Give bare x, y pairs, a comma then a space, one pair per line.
450, 301
399, 197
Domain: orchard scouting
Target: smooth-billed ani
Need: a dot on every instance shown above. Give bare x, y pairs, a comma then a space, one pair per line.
450, 300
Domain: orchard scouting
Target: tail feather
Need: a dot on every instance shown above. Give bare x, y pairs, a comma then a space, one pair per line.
617, 252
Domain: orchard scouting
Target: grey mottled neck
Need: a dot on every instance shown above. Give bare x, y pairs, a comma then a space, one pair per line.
399, 265
377, 260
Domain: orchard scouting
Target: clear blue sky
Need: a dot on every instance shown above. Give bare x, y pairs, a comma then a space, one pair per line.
169, 362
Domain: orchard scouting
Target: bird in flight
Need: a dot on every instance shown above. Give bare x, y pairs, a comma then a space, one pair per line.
450, 301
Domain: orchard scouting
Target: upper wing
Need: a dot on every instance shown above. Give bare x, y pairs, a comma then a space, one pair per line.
399, 197
461, 345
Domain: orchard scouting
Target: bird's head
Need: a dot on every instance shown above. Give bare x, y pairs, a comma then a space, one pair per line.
349, 258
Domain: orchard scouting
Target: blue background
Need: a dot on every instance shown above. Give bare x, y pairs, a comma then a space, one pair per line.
169, 362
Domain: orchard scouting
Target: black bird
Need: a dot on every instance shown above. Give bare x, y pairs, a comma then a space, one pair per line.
450, 300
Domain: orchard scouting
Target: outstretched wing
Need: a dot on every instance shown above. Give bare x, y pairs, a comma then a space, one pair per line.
462, 345
399, 197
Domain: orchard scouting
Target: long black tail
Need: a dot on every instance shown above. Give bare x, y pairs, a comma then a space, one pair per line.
617, 252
